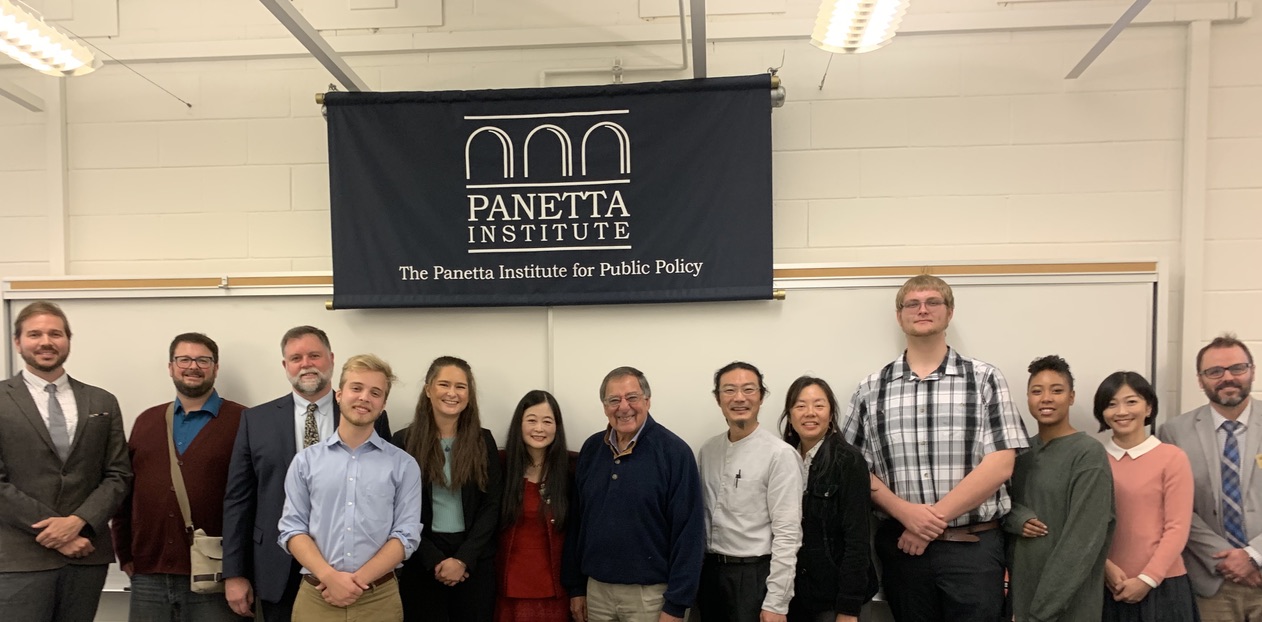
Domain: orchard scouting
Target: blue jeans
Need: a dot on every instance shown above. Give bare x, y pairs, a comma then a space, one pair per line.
167, 598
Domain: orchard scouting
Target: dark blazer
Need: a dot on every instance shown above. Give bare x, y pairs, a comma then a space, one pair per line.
835, 570
481, 513
35, 484
255, 496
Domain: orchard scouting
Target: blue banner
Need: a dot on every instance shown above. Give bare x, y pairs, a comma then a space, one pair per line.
656, 192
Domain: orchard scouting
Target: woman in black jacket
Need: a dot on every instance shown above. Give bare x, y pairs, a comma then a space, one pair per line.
451, 576
835, 575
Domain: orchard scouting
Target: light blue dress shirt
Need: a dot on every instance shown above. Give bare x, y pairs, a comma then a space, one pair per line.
352, 501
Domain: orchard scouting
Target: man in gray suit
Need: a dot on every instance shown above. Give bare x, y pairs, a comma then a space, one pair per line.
63, 473
1224, 444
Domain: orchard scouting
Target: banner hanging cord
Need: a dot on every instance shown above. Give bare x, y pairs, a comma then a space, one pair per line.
129, 67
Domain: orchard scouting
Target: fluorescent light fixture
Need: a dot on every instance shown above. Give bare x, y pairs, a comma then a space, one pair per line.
857, 26
30, 41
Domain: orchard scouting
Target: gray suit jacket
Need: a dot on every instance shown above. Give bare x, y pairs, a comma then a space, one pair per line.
1194, 433
35, 484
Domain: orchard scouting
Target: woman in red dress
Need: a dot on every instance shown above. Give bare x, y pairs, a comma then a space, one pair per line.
532, 516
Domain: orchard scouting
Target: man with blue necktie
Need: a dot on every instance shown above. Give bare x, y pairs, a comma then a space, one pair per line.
1224, 444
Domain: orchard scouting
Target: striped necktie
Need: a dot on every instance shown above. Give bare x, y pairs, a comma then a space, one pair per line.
1233, 516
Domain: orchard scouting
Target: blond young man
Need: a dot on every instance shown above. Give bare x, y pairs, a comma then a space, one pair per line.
352, 508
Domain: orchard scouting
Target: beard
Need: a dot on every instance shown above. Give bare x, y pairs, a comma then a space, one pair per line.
309, 386
30, 359
1229, 402
194, 391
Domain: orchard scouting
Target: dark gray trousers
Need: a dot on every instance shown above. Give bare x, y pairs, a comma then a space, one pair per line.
68, 594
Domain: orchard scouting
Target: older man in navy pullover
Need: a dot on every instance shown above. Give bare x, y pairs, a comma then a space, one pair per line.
635, 544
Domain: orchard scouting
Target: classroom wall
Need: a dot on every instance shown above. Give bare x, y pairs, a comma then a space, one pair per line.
940, 147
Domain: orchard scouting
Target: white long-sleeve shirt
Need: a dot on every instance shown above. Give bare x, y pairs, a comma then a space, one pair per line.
753, 505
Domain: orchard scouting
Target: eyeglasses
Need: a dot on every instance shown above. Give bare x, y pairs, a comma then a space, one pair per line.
1239, 369
185, 362
747, 391
631, 399
912, 305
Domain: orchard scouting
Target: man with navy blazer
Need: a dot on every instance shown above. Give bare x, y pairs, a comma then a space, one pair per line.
270, 435
64, 472
1224, 550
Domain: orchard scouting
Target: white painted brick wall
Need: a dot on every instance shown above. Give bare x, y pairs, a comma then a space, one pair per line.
25, 239
23, 192
289, 234
113, 145
23, 222
1233, 228
937, 148
288, 141
203, 143
180, 190
310, 187
23, 146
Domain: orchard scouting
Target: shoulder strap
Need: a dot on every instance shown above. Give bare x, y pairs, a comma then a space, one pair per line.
177, 478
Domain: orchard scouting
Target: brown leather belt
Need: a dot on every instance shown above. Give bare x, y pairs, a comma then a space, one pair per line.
965, 533
386, 578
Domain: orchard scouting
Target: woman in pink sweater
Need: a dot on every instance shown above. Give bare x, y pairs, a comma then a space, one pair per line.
1152, 485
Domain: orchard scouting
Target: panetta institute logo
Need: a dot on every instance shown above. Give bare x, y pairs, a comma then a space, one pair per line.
523, 193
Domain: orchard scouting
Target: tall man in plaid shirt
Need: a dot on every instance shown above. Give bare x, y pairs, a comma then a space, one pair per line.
940, 435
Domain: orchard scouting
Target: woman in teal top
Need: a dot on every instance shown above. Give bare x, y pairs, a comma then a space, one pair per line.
451, 577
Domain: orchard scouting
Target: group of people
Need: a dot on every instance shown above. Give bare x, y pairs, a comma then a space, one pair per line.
1162, 522
929, 470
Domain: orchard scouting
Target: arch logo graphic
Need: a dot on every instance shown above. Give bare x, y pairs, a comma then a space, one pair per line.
524, 195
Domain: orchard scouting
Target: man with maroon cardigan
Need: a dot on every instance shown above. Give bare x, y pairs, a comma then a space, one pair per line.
149, 535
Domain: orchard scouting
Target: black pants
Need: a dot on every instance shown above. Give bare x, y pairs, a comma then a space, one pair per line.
283, 609
950, 582
732, 592
427, 600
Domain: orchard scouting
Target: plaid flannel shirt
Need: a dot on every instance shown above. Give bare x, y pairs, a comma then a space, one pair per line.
922, 436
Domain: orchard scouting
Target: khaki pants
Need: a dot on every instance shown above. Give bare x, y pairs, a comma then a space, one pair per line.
378, 604
615, 602
1232, 603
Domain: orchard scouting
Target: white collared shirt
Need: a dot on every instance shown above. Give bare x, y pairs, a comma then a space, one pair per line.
1135, 452
65, 397
753, 505
324, 417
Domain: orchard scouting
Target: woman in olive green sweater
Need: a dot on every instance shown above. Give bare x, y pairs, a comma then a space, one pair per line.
1062, 509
